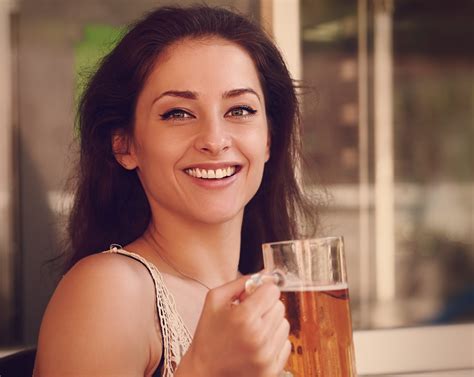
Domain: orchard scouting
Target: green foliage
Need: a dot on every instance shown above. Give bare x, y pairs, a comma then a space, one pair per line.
98, 41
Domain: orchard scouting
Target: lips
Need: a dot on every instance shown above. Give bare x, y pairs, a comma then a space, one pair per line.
218, 173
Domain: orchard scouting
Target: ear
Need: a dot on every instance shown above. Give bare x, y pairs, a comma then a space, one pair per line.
123, 150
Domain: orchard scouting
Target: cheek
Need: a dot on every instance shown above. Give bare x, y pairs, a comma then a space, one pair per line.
257, 151
262, 148
158, 149
267, 151
153, 160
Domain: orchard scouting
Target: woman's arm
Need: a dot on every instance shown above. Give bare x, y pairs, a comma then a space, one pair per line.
101, 321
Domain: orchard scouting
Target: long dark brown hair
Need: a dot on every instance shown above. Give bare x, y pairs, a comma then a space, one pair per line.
110, 205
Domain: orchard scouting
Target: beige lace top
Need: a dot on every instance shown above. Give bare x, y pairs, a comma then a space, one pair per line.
176, 337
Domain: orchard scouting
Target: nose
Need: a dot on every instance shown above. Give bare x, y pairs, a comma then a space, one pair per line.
213, 138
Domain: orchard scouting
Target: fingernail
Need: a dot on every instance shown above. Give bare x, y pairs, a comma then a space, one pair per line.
252, 283
258, 279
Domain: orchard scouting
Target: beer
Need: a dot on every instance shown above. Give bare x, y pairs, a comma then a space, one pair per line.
316, 297
320, 331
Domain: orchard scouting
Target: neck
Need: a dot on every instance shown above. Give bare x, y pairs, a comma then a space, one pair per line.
208, 253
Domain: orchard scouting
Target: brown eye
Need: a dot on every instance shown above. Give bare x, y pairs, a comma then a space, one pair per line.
238, 112
241, 111
178, 114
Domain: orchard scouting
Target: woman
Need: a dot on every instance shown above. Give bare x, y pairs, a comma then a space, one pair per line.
188, 140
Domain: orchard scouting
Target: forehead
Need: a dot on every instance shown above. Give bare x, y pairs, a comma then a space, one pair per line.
203, 65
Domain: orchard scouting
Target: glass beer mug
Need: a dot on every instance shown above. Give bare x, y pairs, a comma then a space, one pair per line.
315, 294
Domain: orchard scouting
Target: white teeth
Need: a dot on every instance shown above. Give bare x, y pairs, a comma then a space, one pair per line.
210, 173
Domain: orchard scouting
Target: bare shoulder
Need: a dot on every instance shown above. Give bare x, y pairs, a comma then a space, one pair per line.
100, 319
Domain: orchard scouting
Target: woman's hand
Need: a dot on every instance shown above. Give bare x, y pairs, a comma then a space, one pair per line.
247, 339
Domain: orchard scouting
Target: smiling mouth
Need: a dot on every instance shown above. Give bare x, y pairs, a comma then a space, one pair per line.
212, 173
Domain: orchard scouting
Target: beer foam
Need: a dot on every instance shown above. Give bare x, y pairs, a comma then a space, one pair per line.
323, 288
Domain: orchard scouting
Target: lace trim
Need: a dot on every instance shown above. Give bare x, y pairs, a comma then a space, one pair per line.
176, 337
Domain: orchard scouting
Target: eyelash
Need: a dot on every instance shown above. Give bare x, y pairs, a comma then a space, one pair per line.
171, 114
250, 110
183, 114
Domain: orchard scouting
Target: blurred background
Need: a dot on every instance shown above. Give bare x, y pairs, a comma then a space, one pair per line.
388, 118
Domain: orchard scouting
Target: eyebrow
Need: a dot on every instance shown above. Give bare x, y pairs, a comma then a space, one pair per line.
187, 94
178, 93
238, 92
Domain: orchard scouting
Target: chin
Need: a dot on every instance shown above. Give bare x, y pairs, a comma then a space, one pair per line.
219, 216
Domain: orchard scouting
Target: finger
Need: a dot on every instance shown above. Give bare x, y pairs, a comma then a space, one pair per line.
280, 336
258, 279
280, 345
273, 318
283, 356
227, 293
263, 299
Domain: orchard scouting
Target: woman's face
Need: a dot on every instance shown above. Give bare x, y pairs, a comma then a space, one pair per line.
201, 136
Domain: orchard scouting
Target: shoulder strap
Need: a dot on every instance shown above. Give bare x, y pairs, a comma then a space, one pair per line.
175, 336
152, 270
